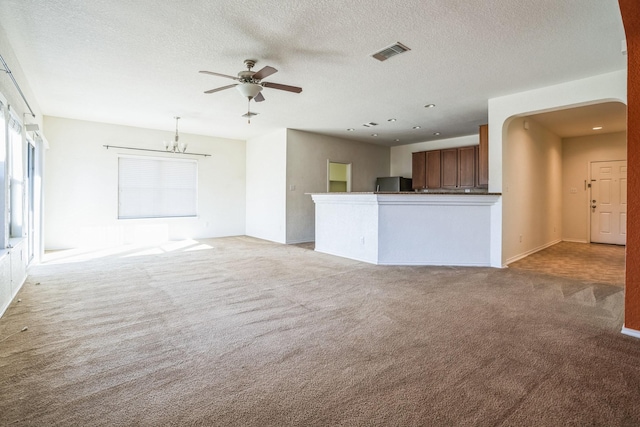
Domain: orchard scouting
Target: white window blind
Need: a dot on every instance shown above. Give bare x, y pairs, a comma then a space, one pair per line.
156, 188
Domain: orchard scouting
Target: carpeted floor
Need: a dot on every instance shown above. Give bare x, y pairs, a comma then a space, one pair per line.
243, 332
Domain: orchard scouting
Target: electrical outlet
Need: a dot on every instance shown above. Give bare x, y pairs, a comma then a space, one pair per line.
521, 238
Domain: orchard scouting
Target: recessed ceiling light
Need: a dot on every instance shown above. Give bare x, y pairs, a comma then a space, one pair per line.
396, 140
391, 120
429, 105
597, 128
374, 134
350, 129
416, 127
436, 133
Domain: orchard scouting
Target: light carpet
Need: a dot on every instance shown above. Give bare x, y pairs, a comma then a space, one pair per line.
244, 332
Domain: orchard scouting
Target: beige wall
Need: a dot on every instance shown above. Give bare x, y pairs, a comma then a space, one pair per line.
532, 202
577, 153
307, 168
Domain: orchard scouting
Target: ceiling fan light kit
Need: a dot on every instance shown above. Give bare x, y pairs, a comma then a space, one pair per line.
249, 90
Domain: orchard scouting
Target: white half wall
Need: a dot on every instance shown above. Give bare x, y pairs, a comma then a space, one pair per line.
531, 198
266, 167
81, 186
401, 155
577, 153
408, 229
307, 172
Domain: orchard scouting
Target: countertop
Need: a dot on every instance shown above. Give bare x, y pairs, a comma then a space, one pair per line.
422, 193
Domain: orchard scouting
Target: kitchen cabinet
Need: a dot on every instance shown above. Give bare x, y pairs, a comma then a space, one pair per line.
452, 168
467, 167
483, 157
449, 168
426, 166
433, 169
459, 167
418, 170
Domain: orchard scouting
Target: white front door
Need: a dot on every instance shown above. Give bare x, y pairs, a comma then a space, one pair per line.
608, 203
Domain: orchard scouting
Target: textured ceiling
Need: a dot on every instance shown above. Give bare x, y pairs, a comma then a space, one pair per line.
136, 62
580, 121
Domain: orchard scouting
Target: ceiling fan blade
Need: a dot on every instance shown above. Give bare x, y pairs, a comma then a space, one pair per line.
282, 87
259, 97
220, 88
219, 75
265, 72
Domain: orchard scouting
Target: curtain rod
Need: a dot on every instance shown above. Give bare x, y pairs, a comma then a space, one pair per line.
8, 71
157, 151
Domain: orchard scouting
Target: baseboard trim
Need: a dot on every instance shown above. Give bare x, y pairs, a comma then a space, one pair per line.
575, 241
630, 332
532, 251
297, 241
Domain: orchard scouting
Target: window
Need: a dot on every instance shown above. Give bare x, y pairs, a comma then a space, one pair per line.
4, 226
156, 187
16, 179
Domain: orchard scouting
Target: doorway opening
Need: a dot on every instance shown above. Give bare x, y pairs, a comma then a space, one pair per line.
338, 177
547, 198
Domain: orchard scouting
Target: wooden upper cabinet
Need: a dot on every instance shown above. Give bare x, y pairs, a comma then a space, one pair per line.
433, 169
483, 157
452, 168
467, 167
449, 168
418, 170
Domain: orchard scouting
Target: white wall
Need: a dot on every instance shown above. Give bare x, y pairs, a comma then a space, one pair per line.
532, 200
307, 169
577, 153
401, 155
81, 186
266, 167
8, 89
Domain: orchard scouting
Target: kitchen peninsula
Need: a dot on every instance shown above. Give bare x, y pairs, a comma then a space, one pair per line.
410, 228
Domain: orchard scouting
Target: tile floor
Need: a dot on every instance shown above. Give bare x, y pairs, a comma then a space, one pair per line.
591, 262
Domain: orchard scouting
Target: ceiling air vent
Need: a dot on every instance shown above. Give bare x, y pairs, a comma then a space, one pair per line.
370, 124
390, 51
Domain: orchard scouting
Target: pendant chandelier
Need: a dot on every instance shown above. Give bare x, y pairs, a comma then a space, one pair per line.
175, 146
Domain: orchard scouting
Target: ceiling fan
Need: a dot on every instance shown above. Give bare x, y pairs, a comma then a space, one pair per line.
251, 83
